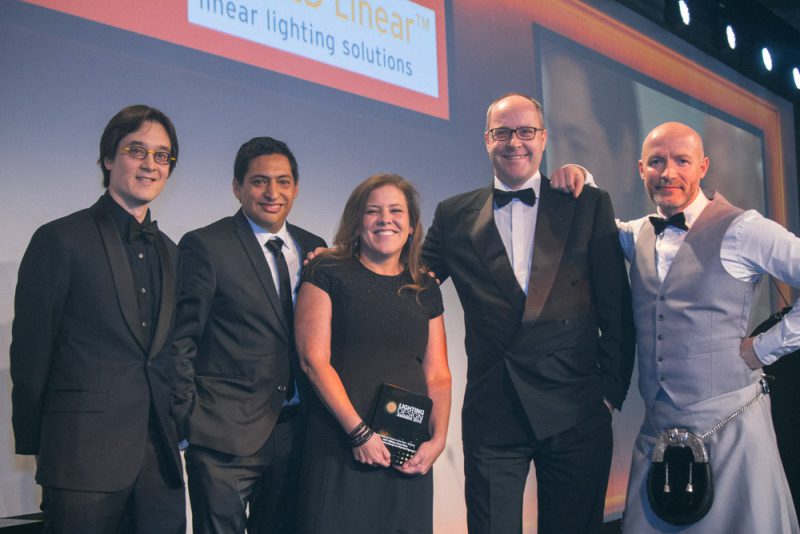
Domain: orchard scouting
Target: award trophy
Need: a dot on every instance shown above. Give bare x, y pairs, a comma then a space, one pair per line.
401, 420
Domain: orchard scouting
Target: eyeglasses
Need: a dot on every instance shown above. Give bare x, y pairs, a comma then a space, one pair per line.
139, 152
525, 133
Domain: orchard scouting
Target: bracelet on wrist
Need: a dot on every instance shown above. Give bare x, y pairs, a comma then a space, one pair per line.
362, 439
357, 430
359, 435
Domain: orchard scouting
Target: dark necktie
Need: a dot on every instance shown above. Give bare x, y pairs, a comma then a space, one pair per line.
149, 230
501, 198
275, 245
678, 221
284, 285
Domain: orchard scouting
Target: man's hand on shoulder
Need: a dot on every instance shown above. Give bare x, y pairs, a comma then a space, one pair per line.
569, 179
431, 274
313, 254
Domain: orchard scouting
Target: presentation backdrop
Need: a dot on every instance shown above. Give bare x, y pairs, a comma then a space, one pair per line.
300, 71
391, 51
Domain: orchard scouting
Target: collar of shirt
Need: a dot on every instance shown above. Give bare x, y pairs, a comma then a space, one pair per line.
534, 182
291, 252
263, 236
692, 211
122, 219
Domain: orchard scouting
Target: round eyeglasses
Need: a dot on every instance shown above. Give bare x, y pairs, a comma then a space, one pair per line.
161, 157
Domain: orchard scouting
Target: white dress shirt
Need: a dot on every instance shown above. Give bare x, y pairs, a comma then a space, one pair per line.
516, 222
751, 247
291, 253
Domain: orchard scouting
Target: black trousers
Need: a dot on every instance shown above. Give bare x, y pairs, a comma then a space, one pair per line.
258, 492
572, 470
149, 506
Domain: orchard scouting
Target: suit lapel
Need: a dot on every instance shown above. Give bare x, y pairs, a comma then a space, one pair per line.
254, 252
168, 290
302, 245
552, 227
489, 248
120, 272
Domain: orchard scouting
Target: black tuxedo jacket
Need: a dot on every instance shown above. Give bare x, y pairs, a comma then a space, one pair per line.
537, 362
84, 375
233, 347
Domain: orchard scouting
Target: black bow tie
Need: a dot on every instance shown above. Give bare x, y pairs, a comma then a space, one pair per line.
678, 221
148, 230
501, 198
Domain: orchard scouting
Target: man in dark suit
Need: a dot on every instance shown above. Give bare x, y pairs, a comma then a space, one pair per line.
549, 341
235, 397
94, 307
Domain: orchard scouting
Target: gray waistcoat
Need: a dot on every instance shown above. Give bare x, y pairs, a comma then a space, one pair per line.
689, 327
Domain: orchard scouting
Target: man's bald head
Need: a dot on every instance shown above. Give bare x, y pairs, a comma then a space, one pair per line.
672, 165
673, 130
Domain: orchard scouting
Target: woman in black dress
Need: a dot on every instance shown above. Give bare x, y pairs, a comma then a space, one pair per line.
367, 314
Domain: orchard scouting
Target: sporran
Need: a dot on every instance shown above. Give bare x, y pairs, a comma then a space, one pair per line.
680, 484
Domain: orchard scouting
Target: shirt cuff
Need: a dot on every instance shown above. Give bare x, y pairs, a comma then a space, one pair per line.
762, 344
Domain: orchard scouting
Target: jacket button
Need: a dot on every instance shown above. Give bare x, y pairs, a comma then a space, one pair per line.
282, 388
661, 298
659, 337
660, 317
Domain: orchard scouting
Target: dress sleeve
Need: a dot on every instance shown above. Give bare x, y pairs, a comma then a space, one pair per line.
319, 273
431, 298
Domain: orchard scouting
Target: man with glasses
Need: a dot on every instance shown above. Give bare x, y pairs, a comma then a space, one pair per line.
93, 310
547, 313
236, 399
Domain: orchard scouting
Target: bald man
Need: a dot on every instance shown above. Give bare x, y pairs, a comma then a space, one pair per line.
694, 269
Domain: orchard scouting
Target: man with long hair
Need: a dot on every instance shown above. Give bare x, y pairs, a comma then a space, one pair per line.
94, 308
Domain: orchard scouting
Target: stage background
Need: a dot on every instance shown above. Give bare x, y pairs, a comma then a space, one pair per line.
62, 77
